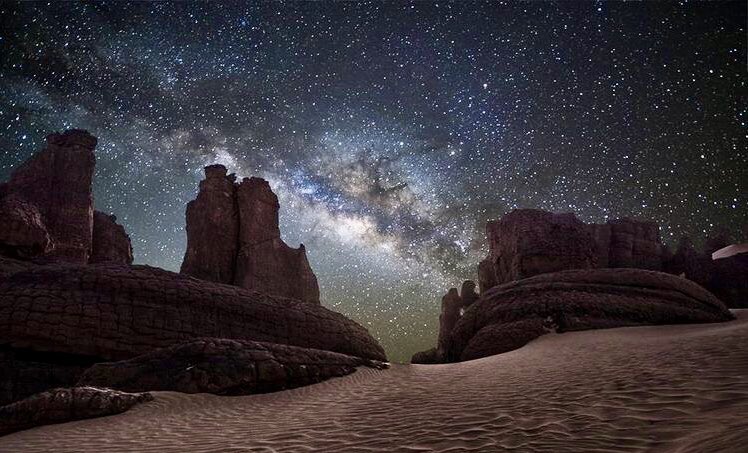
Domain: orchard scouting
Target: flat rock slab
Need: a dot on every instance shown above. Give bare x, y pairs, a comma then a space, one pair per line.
65, 405
223, 367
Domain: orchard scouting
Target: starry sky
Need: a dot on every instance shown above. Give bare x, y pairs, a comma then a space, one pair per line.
391, 131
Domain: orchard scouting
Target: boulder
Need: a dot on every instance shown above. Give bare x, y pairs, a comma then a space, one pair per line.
111, 244
65, 405
57, 181
233, 237
510, 315
22, 231
223, 367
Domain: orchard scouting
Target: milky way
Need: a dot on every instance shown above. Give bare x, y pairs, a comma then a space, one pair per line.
391, 132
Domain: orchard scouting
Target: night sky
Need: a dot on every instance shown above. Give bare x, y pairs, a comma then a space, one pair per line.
390, 131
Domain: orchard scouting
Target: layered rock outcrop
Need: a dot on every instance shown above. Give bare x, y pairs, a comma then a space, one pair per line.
529, 242
509, 315
46, 208
233, 237
66, 405
57, 320
110, 242
116, 312
223, 367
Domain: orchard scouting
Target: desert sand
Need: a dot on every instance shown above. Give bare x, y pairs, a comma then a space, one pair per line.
655, 389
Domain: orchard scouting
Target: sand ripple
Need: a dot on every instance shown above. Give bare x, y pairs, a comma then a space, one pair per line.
656, 389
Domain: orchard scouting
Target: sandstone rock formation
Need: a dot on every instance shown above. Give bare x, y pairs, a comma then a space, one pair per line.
64, 318
453, 306
510, 315
223, 367
65, 405
233, 237
46, 208
116, 312
110, 243
529, 242
57, 181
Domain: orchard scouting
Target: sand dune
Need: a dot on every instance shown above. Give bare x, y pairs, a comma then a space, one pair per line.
654, 389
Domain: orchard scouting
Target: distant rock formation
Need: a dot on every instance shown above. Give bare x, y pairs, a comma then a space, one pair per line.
46, 208
223, 367
529, 242
233, 237
510, 315
65, 405
453, 306
58, 320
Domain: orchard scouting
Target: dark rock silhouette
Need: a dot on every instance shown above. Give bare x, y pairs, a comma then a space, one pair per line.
452, 308
223, 367
509, 315
529, 242
233, 237
726, 278
46, 208
65, 405
111, 244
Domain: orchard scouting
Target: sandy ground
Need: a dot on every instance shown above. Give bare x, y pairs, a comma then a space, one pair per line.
658, 389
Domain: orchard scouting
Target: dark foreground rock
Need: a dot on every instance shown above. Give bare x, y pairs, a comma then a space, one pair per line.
117, 312
509, 316
233, 237
65, 405
60, 316
223, 367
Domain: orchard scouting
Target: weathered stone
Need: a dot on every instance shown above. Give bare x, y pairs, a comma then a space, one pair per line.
115, 312
22, 232
529, 242
111, 244
65, 405
213, 229
265, 263
468, 294
223, 367
57, 181
451, 305
233, 237
510, 315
